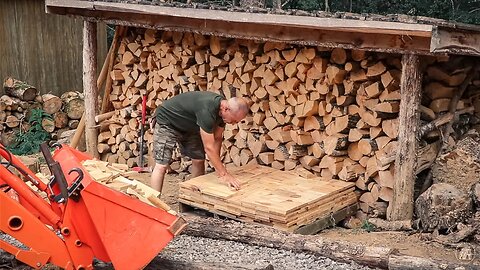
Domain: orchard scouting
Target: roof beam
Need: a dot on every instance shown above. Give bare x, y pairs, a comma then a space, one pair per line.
326, 32
257, 18
394, 37
458, 42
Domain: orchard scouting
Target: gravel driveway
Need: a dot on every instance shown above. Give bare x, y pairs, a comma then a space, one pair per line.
199, 249
190, 252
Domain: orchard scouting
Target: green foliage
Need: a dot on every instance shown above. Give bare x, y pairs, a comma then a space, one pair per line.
465, 11
29, 142
367, 226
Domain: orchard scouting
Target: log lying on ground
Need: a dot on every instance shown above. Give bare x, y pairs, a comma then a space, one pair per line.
464, 232
397, 225
405, 262
265, 236
381, 257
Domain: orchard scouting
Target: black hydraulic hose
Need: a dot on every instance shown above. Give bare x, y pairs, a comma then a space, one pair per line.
7, 188
9, 159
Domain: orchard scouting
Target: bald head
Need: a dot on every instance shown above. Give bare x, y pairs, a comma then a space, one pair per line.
238, 106
234, 109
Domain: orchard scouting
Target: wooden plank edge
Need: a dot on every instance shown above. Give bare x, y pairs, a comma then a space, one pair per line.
326, 222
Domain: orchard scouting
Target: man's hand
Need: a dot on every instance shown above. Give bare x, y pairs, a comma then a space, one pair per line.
231, 181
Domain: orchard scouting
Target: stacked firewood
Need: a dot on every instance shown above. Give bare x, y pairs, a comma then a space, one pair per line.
19, 101
332, 113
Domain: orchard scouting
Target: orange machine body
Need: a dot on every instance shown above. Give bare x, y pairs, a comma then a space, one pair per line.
93, 222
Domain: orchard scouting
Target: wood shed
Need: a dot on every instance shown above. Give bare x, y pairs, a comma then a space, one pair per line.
351, 97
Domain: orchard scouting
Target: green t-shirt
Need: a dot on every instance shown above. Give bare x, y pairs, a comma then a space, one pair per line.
188, 111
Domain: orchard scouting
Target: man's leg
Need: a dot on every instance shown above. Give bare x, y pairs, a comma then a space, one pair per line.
164, 141
191, 145
158, 174
198, 167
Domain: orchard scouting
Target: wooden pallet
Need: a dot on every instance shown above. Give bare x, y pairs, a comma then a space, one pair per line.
277, 198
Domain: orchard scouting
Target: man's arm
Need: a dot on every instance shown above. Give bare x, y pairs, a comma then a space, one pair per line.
212, 144
218, 136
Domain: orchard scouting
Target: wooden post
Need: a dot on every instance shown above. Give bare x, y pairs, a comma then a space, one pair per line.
101, 79
119, 32
90, 85
401, 206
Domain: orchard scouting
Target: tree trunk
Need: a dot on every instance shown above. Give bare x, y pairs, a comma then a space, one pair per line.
401, 207
90, 86
252, 234
269, 237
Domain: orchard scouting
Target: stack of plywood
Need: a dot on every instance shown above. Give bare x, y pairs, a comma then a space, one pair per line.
281, 199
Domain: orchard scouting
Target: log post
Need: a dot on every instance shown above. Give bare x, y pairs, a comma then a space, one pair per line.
119, 32
401, 206
101, 79
90, 86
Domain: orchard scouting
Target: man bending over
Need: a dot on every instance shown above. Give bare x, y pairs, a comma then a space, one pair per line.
196, 121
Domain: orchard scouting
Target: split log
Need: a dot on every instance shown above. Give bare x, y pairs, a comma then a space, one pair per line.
358, 55
450, 79
454, 102
338, 56
60, 119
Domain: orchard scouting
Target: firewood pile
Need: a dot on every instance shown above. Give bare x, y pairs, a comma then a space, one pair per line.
21, 99
119, 178
331, 113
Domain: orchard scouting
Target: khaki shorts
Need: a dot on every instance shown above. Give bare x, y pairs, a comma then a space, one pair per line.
165, 140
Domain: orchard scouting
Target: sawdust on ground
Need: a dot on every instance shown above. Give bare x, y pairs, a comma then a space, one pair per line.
407, 244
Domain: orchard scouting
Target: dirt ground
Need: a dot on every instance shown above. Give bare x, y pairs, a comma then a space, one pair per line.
408, 244
413, 244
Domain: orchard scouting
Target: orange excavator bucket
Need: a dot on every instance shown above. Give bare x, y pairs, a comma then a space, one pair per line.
119, 228
82, 218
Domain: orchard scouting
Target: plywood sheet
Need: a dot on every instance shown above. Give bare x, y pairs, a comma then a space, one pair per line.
269, 196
